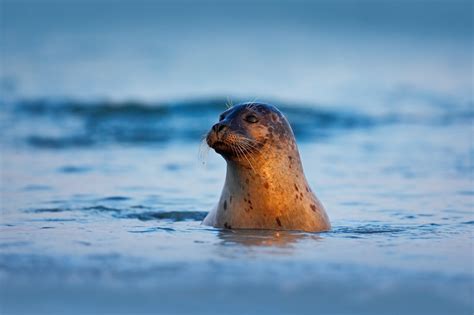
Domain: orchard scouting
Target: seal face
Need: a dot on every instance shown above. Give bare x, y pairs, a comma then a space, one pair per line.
265, 186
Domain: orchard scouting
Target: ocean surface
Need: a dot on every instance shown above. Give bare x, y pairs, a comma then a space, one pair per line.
104, 181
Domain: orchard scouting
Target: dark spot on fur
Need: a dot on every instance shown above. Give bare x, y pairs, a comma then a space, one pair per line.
251, 207
307, 189
225, 204
296, 188
296, 196
227, 226
247, 180
313, 207
250, 202
266, 185
278, 221
245, 199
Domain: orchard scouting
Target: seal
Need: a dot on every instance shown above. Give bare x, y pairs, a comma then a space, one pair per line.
265, 186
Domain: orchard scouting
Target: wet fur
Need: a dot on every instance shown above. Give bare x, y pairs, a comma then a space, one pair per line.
265, 186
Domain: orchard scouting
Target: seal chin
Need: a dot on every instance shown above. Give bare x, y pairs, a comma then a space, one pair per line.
221, 147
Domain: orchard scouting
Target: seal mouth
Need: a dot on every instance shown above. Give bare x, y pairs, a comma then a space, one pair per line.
230, 144
222, 145
217, 143
223, 148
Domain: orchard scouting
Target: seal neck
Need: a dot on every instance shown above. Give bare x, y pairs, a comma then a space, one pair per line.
272, 168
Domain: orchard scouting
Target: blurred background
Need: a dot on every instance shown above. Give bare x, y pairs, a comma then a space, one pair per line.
103, 185
332, 52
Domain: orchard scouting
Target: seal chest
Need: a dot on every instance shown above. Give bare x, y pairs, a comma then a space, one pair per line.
265, 186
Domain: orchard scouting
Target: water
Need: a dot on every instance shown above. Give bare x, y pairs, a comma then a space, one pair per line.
90, 214
104, 186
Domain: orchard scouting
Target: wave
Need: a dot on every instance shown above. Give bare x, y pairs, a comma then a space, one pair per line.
174, 216
124, 212
68, 124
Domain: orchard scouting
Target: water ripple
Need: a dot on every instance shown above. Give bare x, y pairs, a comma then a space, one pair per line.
167, 215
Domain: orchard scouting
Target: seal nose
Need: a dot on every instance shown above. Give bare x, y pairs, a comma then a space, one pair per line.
218, 127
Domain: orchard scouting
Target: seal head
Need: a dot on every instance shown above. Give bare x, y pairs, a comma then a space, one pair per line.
265, 186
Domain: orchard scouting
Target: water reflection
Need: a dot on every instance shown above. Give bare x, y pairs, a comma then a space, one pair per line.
265, 238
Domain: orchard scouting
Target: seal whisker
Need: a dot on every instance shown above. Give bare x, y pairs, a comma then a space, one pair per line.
248, 156
251, 140
248, 149
247, 140
232, 144
245, 156
239, 149
251, 146
248, 146
252, 103
203, 151
232, 148
236, 150
242, 146
252, 143
229, 103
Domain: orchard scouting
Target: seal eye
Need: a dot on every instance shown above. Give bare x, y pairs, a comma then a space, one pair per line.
251, 118
221, 117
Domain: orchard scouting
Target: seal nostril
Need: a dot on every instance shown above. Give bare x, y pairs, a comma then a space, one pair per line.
218, 127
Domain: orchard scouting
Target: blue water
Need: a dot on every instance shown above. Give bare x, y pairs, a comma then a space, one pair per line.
104, 182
